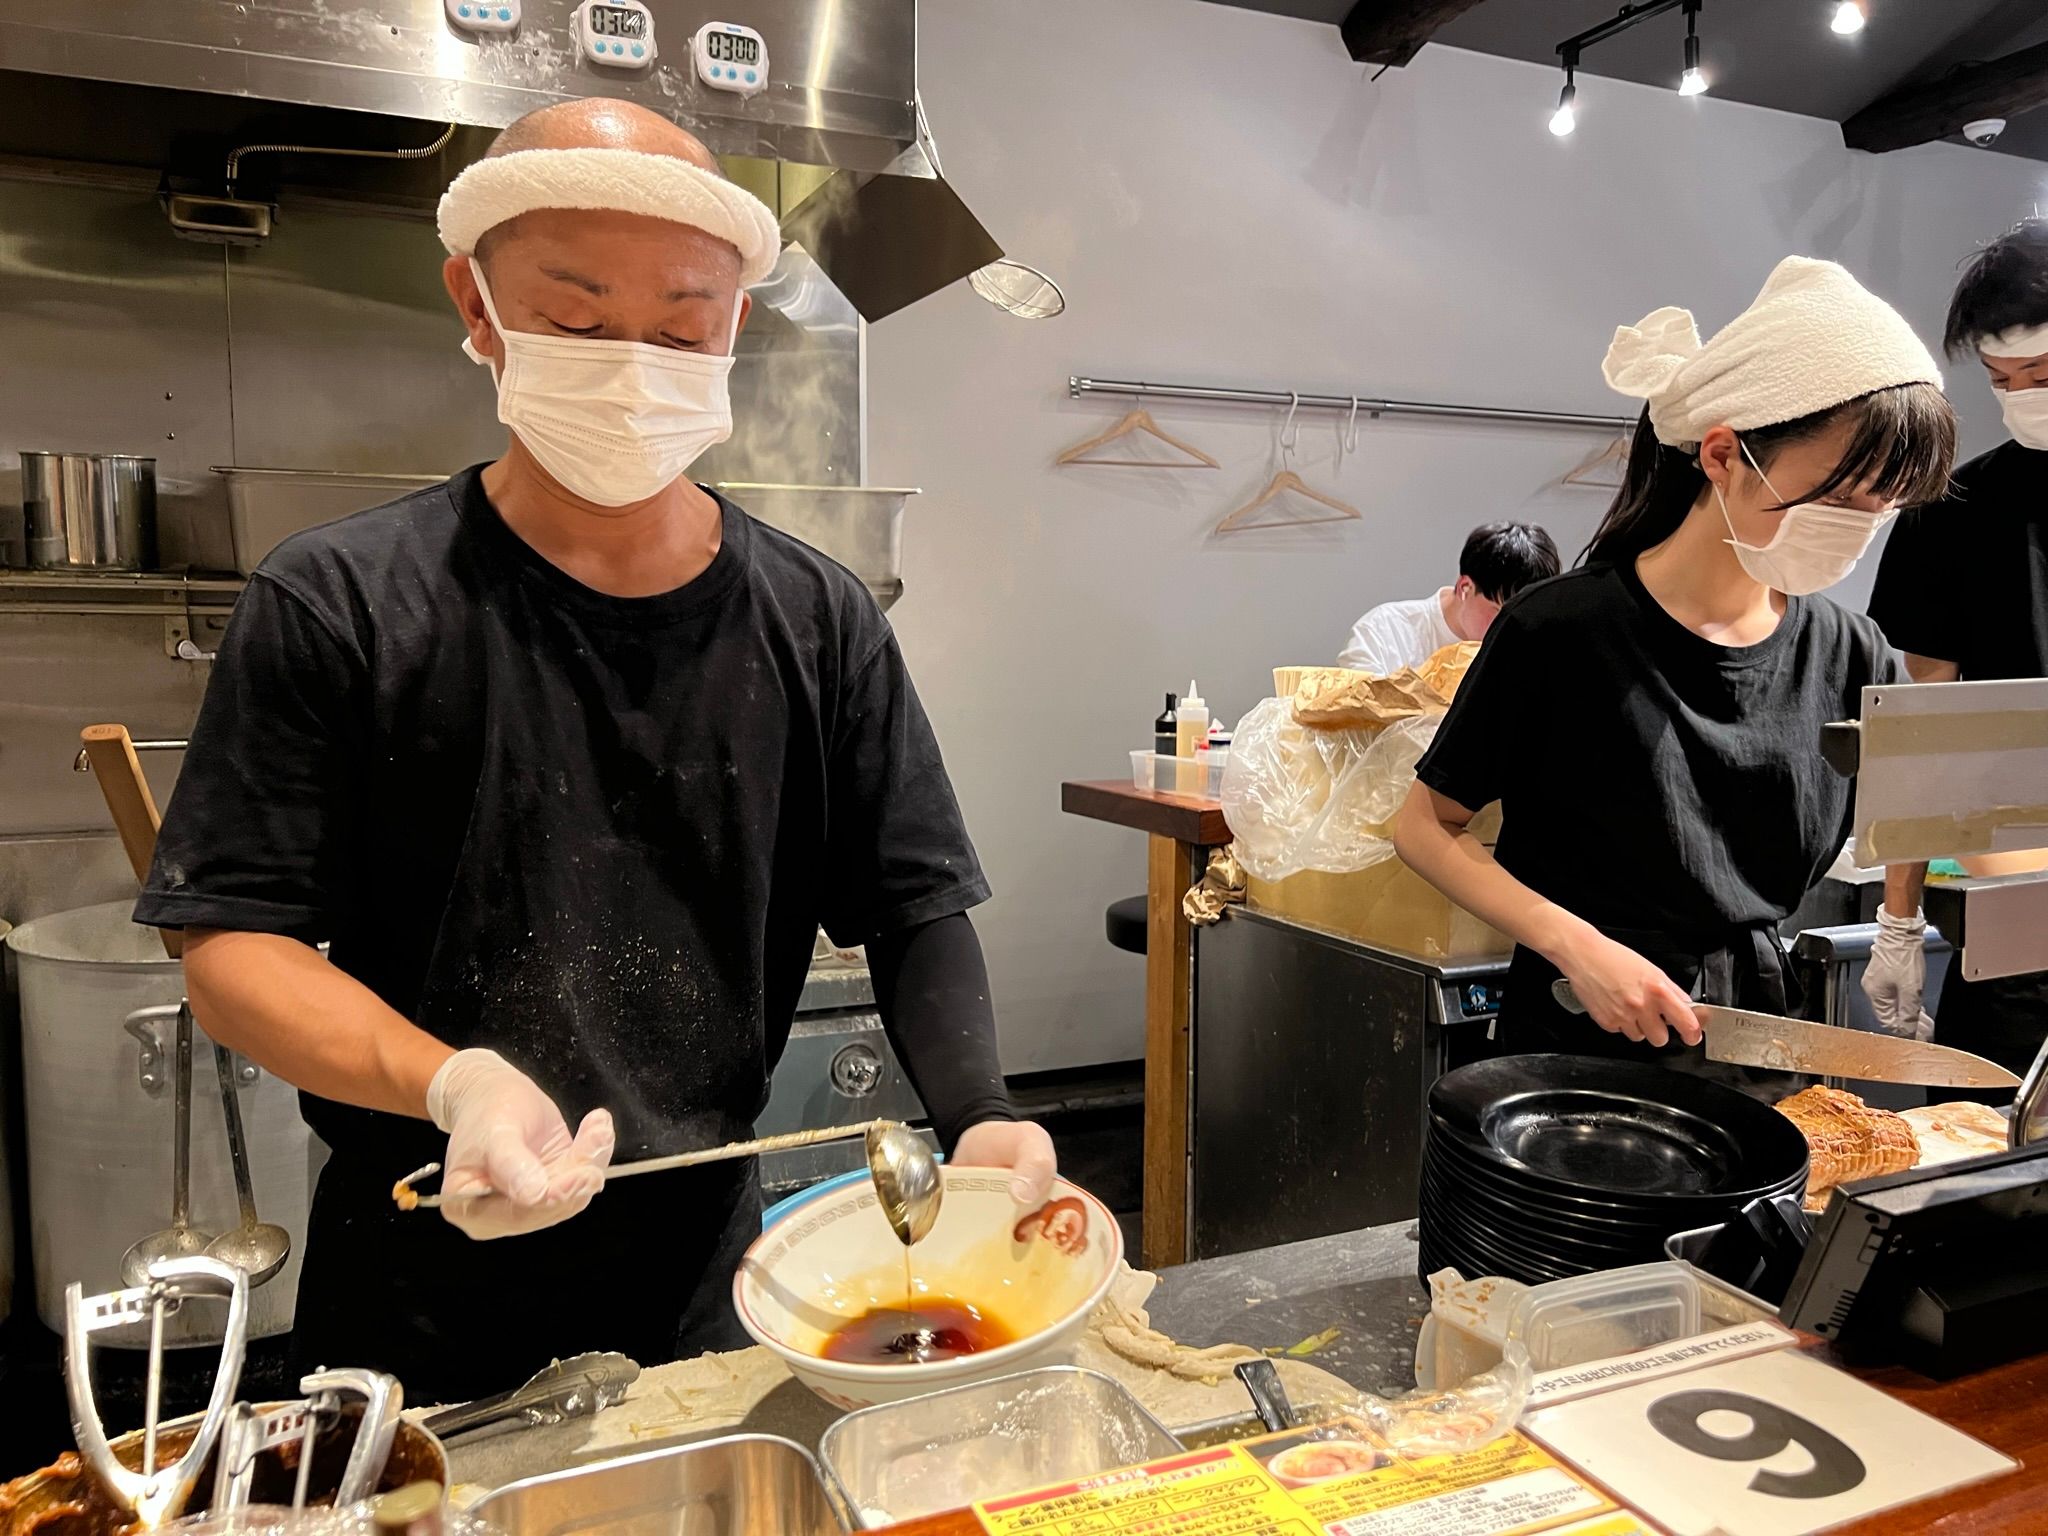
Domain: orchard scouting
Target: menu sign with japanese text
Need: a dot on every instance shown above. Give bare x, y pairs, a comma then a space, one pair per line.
1296, 1485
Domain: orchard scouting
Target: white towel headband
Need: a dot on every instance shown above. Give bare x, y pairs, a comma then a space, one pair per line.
502, 187
2019, 341
1815, 338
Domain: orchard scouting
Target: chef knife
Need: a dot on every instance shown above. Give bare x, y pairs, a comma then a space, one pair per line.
1745, 1039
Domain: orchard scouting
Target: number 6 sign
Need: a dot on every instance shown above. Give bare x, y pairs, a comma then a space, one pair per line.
1774, 1445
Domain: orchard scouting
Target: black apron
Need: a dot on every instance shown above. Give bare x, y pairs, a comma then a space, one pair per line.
646, 1270
1741, 967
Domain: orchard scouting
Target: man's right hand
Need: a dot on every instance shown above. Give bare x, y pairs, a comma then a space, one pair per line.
1627, 995
505, 1135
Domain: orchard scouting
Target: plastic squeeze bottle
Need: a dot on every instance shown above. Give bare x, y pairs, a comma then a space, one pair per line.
1191, 730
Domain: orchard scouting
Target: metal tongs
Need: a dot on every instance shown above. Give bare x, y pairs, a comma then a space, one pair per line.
567, 1389
154, 1494
251, 1431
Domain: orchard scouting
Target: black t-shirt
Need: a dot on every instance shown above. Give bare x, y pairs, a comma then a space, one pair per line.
1650, 780
596, 834
1966, 579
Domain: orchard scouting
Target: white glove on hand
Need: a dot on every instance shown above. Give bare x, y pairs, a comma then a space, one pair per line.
1897, 974
506, 1135
1018, 1145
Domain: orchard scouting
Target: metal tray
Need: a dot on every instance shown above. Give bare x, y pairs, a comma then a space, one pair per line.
900, 1461
268, 506
742, 1485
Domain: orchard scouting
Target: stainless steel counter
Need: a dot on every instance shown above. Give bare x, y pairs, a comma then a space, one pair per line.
1360, 1283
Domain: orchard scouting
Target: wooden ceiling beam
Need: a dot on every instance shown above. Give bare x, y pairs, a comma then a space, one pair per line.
1919, 114
1393, 31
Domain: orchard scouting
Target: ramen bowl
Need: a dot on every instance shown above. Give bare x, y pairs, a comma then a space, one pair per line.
1034, 1275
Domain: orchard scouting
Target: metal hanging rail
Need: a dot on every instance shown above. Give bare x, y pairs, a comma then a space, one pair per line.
1078, 386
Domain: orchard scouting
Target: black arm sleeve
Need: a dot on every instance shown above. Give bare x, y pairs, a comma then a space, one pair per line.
931, 984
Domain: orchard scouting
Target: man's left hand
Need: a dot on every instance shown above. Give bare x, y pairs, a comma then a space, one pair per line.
1017, 1145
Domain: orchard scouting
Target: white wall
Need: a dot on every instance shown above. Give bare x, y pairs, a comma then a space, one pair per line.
1227, 199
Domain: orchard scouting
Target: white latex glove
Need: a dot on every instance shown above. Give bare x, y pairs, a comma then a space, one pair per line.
1897, 974
505, 1134
1017, 1145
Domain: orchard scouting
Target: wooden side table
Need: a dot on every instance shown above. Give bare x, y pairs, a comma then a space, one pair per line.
1180, 831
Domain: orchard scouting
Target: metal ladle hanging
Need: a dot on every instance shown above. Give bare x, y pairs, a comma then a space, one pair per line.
180, 1239
257, 1247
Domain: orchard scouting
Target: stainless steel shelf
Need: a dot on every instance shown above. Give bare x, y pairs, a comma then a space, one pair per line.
165, 594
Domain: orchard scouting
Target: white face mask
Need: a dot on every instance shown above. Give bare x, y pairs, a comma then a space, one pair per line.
1815, 545
614, 422
2026, 415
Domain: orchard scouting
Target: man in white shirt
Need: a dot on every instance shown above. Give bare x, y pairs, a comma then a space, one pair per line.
1499, 559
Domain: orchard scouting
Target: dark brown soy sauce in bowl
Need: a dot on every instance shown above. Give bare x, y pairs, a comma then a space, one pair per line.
932, 1330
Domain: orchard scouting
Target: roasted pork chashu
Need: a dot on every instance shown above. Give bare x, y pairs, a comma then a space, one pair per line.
1847, 1139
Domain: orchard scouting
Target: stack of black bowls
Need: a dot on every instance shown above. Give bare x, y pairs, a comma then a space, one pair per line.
1542, 1167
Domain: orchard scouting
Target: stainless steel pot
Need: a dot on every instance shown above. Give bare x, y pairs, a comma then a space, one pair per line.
89, 511
98, 997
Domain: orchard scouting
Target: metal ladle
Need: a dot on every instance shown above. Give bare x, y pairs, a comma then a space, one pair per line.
180, 1239
907, 1181
258, 1247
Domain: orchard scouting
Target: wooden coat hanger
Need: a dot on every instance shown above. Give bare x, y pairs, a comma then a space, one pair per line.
1282, 483
1137, 421
1587, 471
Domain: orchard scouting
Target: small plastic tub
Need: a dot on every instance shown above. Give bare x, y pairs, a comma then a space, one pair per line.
1564, 1322
1178, 775
1607, 1313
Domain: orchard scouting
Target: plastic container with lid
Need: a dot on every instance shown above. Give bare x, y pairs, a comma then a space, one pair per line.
1564, 1322
1201, 775
1610, 1312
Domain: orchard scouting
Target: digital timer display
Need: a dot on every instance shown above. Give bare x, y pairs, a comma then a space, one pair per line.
732, 48
731, 57
617, 21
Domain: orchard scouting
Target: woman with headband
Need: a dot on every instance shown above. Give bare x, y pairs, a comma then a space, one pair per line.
1650, 721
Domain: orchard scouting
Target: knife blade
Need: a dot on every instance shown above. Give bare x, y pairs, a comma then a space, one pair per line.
1749, 1039
1744, 1039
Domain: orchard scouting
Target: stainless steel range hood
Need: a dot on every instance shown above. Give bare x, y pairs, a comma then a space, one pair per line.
842, 89
842, 94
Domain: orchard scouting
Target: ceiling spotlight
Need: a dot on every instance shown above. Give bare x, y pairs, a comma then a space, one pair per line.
1849, 18
1564, 119
1692, 82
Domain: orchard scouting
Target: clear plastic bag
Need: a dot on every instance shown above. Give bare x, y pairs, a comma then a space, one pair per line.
1437, 1423
1300, 799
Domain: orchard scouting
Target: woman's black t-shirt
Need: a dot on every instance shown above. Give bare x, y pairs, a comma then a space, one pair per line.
1650, 780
